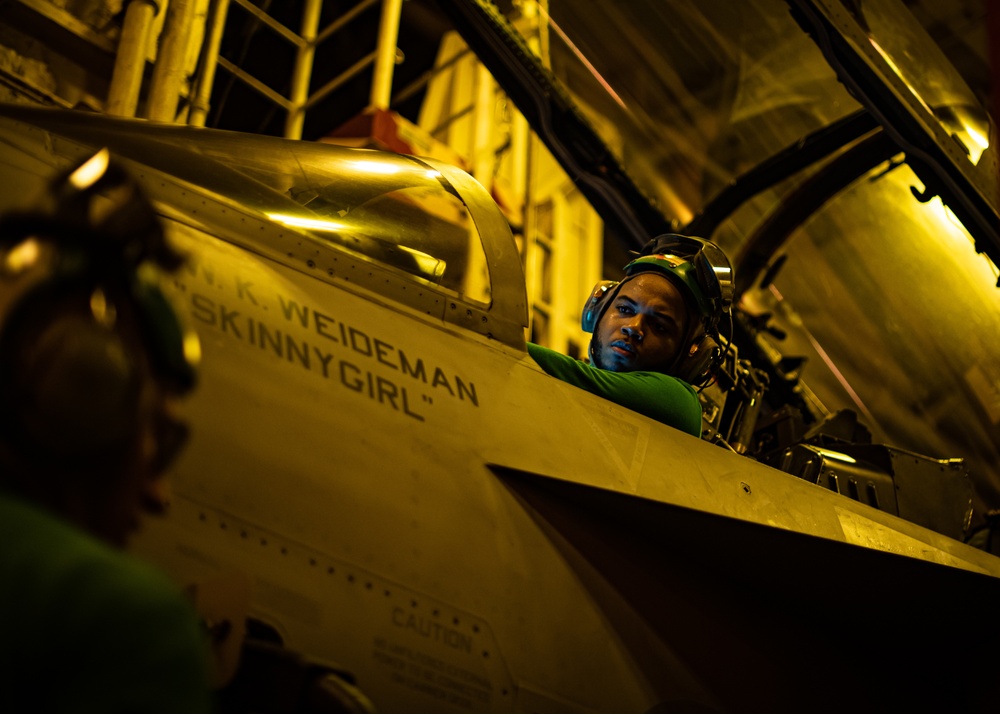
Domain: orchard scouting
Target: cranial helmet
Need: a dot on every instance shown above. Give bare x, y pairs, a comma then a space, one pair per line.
705, 277
83, 319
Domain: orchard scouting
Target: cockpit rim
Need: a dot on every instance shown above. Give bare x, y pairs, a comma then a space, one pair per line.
503, 318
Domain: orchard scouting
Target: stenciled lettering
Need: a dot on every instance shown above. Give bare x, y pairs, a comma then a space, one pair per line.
227, 321
359, 338
243, 290
203, 309
417, 669
383, 352
431, 630
324, 360
417, 371
323, 323
288, 307
207, 274
354, 374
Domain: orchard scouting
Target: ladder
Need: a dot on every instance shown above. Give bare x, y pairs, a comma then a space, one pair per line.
305, 40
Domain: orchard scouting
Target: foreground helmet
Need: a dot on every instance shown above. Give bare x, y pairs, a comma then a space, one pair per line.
80, 310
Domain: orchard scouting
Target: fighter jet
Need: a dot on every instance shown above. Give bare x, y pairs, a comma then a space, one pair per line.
381, 482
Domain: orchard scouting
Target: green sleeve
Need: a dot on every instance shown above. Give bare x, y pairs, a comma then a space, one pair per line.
153, 640
666, 399
90, 630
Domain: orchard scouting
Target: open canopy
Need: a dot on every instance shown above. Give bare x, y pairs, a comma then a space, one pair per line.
835, 154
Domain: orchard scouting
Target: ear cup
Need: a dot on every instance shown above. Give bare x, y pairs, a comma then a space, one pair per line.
701, 358
596, 304
167, 342
70, 388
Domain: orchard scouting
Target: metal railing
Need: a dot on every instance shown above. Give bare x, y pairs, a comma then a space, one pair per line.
305, 41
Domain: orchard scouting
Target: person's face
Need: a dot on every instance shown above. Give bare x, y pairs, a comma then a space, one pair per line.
142, 489
643, 328
92, 401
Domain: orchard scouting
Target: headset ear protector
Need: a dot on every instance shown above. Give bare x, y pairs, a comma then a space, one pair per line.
706, 273
70, 385
71, 388
106, 231
596, 304
697, 366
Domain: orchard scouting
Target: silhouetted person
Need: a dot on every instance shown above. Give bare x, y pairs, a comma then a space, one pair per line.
92, 363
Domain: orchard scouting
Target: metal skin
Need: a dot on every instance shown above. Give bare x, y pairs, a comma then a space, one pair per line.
416, 501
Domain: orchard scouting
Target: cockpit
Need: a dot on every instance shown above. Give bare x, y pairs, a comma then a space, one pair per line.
424, 233
834, 152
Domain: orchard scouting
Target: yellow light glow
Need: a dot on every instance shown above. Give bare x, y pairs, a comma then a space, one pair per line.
723, 274
956, 120
837, 455
981, 141
899, 73
192, 348
375, 167
22, 256
428, 264
103, 311
433, 174
91, 170
946, 224
315, 224
952, 234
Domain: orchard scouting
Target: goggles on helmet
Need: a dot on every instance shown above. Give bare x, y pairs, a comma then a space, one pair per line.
698, 265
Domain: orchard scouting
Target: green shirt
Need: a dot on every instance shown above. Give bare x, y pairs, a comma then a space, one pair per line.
659, 396
85, 628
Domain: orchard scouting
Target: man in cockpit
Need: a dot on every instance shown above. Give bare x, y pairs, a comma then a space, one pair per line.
655, 333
